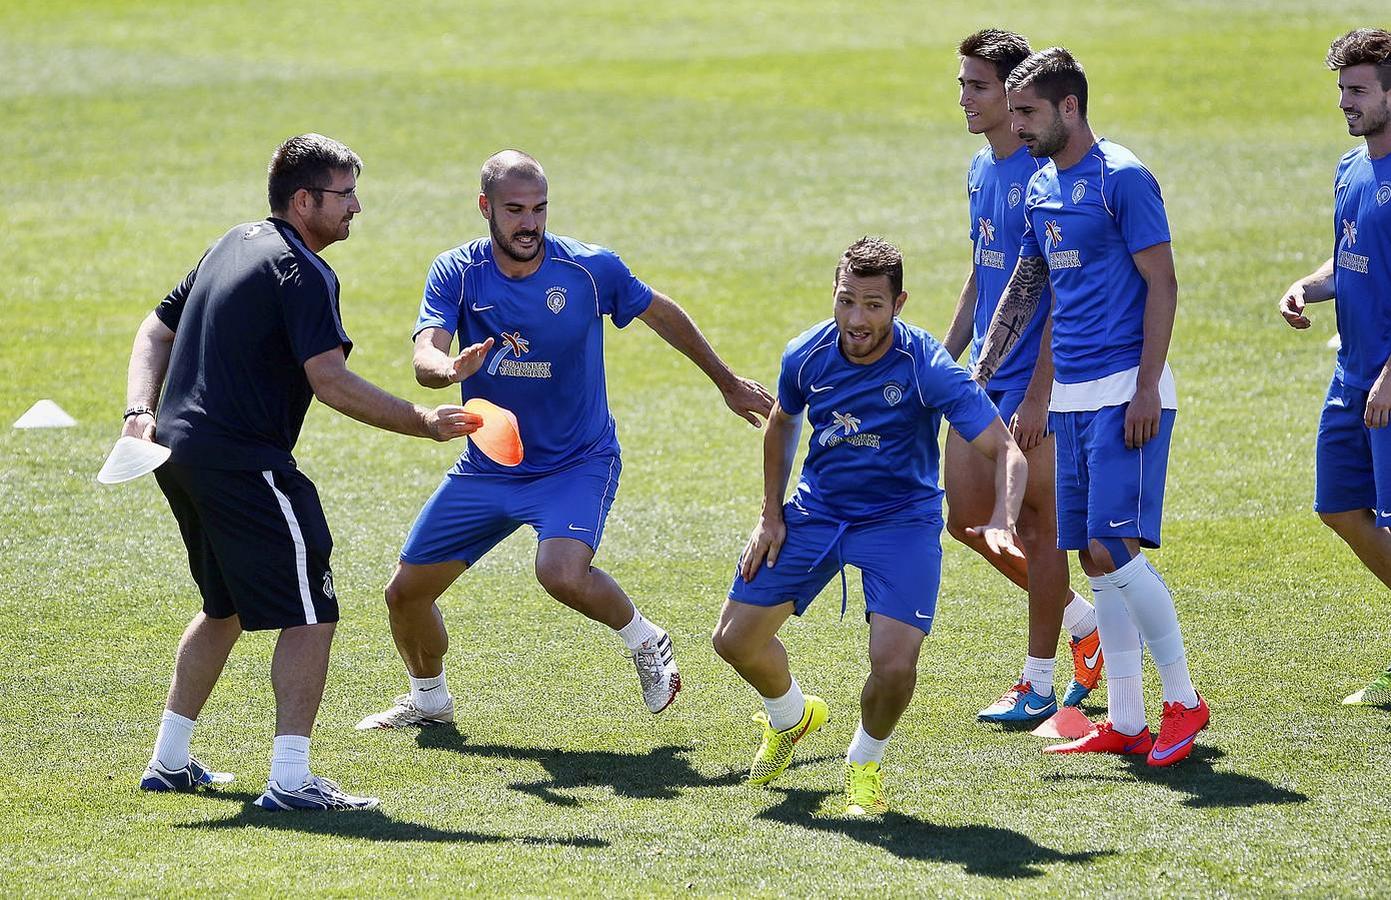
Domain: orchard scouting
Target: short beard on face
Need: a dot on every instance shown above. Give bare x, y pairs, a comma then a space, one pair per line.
503, 244
1052, 140
1374, 122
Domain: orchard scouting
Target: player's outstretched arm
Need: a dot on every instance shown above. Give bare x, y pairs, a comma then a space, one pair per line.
963, 318
149, 363
1315, 287
779, 448
433, 365
1011, 473
1029, 423
1156, 265
1017, 304
356, 397
746, 397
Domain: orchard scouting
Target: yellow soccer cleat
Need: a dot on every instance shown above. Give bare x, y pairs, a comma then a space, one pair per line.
864, 789
775, 752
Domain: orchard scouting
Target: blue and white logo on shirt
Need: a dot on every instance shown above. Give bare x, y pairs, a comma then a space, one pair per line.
1384, 193
1016, 193
1079, 190
555, 299
845, 428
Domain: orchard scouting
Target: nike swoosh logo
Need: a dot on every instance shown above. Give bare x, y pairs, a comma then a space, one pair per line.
1165, 754
817, 390
1384, 513
1091, 660
1140, 740
920, 615
1111, 524
1034, 711
476, 308
428, 689
574, 527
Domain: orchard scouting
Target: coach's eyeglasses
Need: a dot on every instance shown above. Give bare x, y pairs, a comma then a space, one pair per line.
349, 194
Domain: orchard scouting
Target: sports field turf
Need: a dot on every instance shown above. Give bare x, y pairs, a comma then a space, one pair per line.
729, 151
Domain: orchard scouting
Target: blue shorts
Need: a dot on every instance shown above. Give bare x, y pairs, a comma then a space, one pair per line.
1353, 462
468, 515
1006, 402
900, 563
1104, 489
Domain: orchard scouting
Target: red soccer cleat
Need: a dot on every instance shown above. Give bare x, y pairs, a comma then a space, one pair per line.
1177, 730
1104, 738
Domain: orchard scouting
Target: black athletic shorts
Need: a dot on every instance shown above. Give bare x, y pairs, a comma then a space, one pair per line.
258, 544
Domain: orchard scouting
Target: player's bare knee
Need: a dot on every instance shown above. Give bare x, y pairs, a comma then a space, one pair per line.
399, 597
1100, 558
564, 583
1340, 522
894, 672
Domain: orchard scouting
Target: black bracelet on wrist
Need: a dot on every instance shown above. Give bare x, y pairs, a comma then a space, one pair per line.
138, 411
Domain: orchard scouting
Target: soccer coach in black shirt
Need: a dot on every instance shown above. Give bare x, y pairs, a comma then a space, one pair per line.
240, 347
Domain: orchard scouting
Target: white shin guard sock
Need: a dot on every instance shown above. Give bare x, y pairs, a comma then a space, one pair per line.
1079, 617
785, 711
429, 694
637, 632
289, 761
1152, 608
1120, 644
171, 745
864, 748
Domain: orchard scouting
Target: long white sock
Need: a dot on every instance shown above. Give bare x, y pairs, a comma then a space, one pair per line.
289, 761
1039, 673
429, 694
171, 744
638, 631
864, 748
785, 711
1152, 607
1079, 616
1120, 644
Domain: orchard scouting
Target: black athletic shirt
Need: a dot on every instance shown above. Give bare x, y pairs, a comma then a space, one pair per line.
258, 305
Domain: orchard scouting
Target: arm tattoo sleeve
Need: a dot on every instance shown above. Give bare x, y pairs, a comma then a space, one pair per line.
1017, 305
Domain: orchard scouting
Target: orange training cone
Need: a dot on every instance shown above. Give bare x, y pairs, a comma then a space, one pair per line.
499, 438
1068, 722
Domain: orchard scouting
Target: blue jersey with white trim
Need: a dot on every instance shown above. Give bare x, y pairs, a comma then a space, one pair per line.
873, 447
1362, 266
995, 194
547, 360
1088, 221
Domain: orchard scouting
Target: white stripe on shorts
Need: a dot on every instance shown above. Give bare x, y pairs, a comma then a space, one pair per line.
301, 556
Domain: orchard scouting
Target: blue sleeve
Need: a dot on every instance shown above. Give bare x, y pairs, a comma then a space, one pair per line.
1138, 207
970, 213
791, 398
1028, 243
622, 295
310, 312
948, 387
444, 291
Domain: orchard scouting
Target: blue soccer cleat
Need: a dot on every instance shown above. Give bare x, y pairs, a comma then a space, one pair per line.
190, 777
316, 793
1020, 704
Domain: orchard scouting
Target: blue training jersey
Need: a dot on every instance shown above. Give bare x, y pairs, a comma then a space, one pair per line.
1087, 221
547, 360
995, 195
1362, 266
873, 447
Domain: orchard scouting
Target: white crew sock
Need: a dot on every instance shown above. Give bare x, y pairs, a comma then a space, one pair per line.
637, 632
864, 748
289, 761
429, 694
1079, 616
785, 711
1120, 644
1152, 608
171, 744
1039, 673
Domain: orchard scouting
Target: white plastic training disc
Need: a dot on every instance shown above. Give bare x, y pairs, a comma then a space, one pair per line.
131, 458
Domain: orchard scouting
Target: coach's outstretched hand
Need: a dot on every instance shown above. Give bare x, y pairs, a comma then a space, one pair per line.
998, 537
445, 423
749, 400
764, 544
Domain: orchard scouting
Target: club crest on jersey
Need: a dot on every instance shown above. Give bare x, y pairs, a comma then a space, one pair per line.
507, 358
555, 299
1016, 193
892, 394
845, 428
1384, 193
1079, 190
987, 229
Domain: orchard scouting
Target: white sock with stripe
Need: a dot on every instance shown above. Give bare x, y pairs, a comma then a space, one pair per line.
1152, 607
430, 695
864, 748
785, 711
637, 632
171, 744
1120, 644
289, 761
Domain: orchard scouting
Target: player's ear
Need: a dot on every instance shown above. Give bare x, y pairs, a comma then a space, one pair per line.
899, 301
483, 206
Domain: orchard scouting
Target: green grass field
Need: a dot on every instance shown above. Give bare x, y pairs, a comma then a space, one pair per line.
729, 151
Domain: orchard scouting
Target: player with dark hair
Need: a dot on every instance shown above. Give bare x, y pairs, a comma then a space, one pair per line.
874, 390
995, 193
240, 347
528, 309
1352, 492
1097, 229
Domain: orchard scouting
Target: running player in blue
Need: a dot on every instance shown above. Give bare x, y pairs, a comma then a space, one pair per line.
1096, 227
874, 390
1352, 493
528, 309
995, 192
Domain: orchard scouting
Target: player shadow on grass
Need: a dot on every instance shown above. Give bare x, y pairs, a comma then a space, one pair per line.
1195, 776
661, 773
371, 824
984, 850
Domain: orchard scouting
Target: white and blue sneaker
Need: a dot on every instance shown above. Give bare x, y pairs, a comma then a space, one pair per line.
192, 776
1020, 703
315, 793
